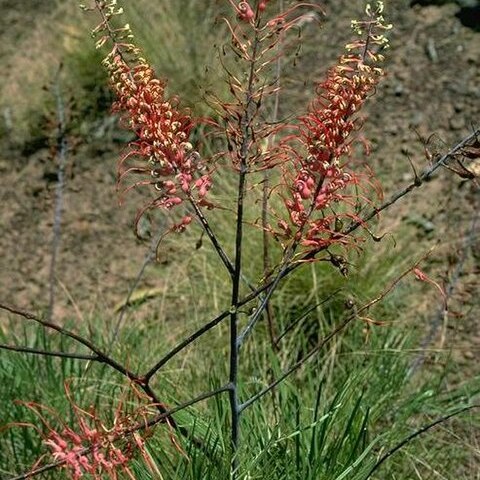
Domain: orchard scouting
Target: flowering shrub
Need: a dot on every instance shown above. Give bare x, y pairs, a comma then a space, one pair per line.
314, 173
318, 188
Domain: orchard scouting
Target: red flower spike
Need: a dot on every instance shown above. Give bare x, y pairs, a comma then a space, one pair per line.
162, 151
315, 169
90, 449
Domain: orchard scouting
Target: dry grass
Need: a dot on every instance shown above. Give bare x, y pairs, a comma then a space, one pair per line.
179, 39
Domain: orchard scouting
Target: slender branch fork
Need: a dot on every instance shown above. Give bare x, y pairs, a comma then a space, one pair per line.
144, 381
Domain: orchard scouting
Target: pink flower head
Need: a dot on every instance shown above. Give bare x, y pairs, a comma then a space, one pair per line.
316, 179
90, 449
262, 5
245, 11
161, 153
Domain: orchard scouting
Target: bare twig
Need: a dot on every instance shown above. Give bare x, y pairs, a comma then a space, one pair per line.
415, 434
101, 356
425, 175
216, 243
327, 338
48, 353
211, 235
62, 148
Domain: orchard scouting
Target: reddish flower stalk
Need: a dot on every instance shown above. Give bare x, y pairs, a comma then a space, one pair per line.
165, 158
316, 178
255, 38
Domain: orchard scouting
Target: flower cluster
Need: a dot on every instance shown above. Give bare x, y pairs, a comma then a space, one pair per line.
90, 449
161, 153
318, 179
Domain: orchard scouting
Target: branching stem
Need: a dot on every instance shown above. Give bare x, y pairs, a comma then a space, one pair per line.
310, 256
327, 338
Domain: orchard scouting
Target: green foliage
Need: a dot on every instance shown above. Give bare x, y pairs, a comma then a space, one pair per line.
332, 420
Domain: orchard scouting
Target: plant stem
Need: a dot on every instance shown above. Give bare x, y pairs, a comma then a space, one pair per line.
266, 193
283, 268
101, 356
211, 235
243, 155
48, 353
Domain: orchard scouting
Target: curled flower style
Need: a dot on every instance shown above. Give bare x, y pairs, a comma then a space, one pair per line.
245, 11
317, 178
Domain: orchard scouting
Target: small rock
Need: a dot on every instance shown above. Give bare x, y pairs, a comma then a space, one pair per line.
432, 51
399, 90
457, 123
468, 355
